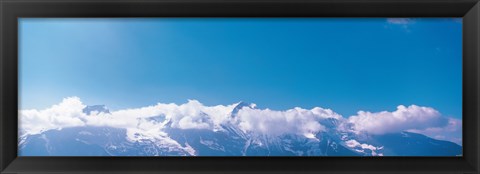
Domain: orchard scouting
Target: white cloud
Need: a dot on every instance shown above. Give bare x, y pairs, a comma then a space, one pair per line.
191, 115
452, 132
401, 21
293, 121
457, 20
361, 147
194, 115
404, 23
66, 114
404, 118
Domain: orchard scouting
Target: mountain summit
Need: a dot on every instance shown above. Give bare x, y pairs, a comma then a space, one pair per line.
96, 108
241, 105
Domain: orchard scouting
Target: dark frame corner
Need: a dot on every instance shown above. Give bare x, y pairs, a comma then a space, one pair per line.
11, 10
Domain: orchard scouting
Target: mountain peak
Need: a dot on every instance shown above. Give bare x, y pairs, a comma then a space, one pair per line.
95, 108
241, 105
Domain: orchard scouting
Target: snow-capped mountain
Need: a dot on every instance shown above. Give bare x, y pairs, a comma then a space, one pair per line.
162, 135
96, 108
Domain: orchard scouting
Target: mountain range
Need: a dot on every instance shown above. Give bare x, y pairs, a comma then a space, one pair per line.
227, 139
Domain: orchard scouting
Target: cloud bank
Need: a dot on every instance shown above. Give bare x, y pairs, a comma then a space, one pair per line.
404, 118
452, 132
297, 120
195, 115
66, 114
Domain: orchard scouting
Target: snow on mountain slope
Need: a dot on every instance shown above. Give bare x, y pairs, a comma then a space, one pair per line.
240, 129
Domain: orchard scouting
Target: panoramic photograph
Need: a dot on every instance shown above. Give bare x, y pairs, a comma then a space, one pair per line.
240, 87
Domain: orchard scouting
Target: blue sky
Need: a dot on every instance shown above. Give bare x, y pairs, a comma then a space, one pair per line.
346, 64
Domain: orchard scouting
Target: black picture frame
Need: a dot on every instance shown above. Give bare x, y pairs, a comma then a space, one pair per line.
11, 10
